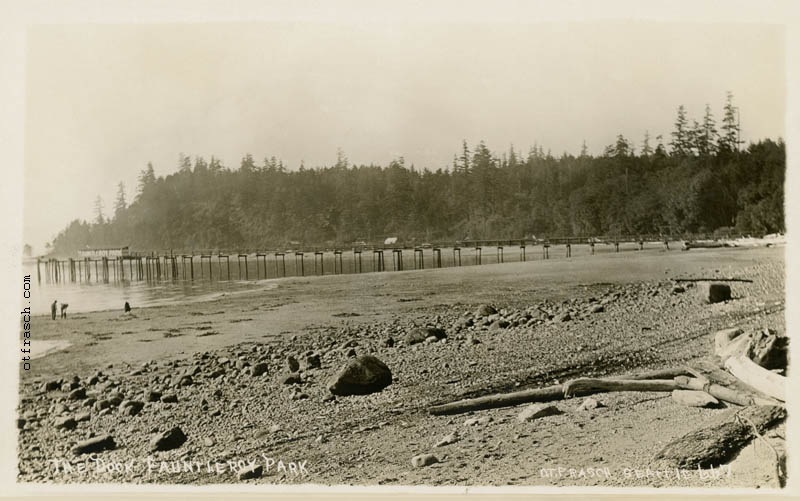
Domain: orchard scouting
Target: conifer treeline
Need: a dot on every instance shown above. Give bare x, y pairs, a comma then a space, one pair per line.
701, 181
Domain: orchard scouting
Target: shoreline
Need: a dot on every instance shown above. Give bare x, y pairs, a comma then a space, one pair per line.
642, 326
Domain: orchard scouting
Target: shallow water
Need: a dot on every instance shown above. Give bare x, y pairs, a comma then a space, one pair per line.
94, 296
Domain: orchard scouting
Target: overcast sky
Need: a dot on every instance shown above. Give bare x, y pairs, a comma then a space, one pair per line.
102, 101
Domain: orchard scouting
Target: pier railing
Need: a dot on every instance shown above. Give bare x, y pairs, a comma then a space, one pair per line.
258, 264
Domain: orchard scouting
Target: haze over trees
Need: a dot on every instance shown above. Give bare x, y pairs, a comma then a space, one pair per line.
703, 180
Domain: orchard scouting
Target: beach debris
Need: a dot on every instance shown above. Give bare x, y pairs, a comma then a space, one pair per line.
590, 403
536, 411
716, 444
363, 375
730, 342
558, 391
768, 349
449, 439
95, 444
170, 439
694, 398
593, 385
757, 377
423, 460
169, 398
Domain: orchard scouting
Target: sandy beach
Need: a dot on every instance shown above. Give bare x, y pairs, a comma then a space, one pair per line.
231, 416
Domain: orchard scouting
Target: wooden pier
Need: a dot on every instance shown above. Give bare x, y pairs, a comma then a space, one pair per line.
165, 266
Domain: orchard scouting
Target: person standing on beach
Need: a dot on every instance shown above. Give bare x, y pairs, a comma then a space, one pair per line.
127, 307
53, 310
64, 310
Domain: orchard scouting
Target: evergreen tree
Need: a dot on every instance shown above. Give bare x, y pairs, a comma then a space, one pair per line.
147, 178
98, 211
707, 135
681, 137
646, 149
729, 139
120, 204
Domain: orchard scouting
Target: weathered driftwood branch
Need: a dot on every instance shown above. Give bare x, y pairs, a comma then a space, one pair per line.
587, 386
754, 375
722, 393
713, 445
717, 279
658, 374
546, 394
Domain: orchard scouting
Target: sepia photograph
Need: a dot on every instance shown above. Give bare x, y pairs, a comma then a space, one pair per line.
342, 245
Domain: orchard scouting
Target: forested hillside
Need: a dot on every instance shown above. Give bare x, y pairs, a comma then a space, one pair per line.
699, 179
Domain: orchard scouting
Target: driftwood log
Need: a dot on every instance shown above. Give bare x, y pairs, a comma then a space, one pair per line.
713, 445
768, 350
717, 279
588, 386
754, 375
556, 392
546, 394
722, 393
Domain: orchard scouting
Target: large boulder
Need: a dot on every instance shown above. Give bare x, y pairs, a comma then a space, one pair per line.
170, 439
714, 292
485, 310
420, 334
366, 374
95, 444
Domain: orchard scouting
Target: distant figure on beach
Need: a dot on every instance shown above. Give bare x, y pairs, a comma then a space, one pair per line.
64, 310
127, 307
53, 309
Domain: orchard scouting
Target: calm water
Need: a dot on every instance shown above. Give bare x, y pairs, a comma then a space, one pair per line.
92, 296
